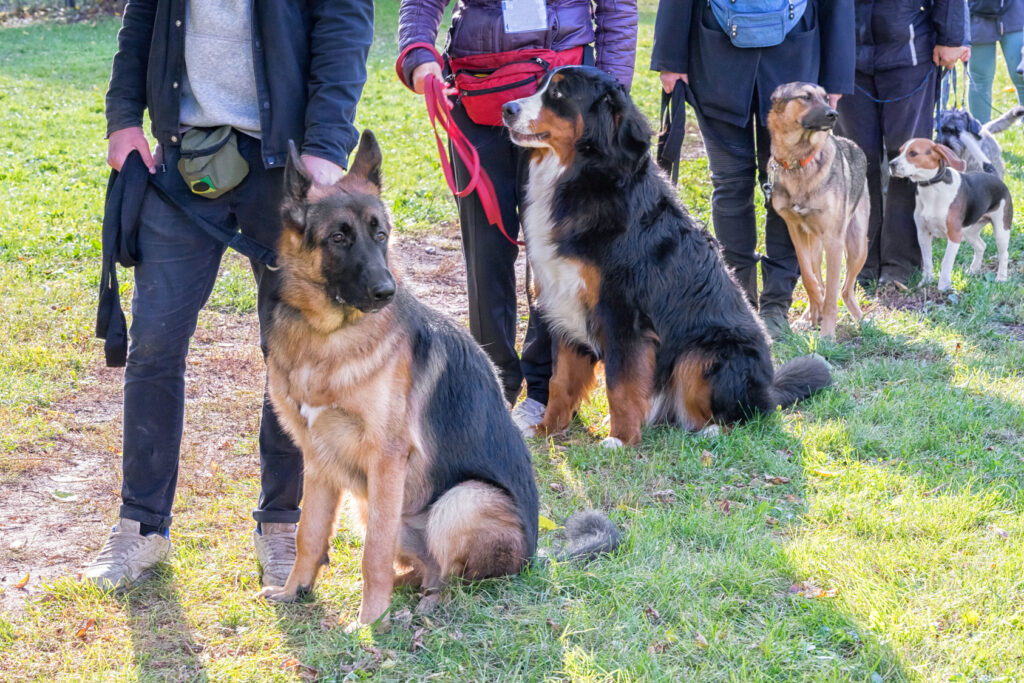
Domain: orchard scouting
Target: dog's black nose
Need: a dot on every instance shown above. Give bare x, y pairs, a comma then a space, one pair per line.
510, 110
831, 115
383, 292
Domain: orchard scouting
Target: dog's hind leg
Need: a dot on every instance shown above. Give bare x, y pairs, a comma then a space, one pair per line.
473, 531
572, 381
1002, 223
856, 253
320, 502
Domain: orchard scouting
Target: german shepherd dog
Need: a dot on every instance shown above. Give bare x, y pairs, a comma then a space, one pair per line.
395, 404
819, 187
624, 275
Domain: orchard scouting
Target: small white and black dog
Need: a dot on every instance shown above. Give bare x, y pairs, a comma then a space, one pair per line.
975, 142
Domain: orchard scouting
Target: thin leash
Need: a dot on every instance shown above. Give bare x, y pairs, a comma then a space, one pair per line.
439, 111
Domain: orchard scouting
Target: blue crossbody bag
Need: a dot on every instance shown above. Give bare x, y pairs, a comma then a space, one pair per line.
757, 23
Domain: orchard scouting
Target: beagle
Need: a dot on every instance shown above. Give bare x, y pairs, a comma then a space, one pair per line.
953, 204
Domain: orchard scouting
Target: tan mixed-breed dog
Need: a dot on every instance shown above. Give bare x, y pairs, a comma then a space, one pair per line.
819, 187
396, 405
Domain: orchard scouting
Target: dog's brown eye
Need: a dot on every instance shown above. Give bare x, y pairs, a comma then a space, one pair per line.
912, 154
381, 236
337, 237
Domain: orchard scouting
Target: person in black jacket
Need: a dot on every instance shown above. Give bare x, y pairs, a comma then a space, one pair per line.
733, 87
900, 46
273, 71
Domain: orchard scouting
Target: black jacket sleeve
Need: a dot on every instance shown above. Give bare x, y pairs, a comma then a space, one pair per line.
126, 94
950, 18
672, 36
339, 44
838, 46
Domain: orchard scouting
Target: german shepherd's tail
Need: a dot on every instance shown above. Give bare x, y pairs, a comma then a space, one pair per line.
590, 534
1005, 121
799, 378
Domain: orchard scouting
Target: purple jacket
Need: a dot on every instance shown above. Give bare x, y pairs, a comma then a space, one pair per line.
478, 28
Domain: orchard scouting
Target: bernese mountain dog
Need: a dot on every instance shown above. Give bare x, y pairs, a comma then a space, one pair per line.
623, 274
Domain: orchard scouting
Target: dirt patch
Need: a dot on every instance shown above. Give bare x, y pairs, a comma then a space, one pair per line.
909, 299
1011, 330
55, 516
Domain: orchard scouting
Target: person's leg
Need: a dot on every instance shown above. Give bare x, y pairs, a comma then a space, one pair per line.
256, 204
490, 257
859, 120
982, 69
1012, 43
733, 161
779, 267
911, 117
177, 269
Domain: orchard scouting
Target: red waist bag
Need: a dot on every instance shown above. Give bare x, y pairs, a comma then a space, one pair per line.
486, 82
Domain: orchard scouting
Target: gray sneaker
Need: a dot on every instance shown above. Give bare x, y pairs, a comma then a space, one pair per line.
126, 556
527, 415
275, 552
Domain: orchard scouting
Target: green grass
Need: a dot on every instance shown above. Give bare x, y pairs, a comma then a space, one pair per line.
899, 493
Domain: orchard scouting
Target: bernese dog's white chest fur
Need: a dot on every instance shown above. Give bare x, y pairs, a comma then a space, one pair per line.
560, 280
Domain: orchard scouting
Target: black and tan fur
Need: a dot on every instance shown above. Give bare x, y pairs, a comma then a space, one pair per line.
819, 187
394, 404
625, 276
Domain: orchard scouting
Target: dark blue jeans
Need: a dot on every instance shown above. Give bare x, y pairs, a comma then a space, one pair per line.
880, 129
491, 265
173, 280
737, 155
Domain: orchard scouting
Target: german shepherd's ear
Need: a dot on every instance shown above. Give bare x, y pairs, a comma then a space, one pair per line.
297, 183
366, 164
951, 158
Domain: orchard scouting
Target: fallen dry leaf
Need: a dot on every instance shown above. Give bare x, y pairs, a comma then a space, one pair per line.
776, 480
556, 487
791, 498
725, 505
999, 531
652, 614
706, 458
556, 630
657, 647
417, 640
84, 628
770, 521
667, 496
701, 641
24, 582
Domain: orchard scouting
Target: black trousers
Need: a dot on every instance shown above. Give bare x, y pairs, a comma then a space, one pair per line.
490, 264
174, 279
737, 155
881, 128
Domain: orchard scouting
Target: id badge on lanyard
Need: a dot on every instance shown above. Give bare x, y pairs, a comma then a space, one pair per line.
522, 16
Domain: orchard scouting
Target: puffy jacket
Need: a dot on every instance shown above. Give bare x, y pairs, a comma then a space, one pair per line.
310, 62
898, 33
991, 29
478, 28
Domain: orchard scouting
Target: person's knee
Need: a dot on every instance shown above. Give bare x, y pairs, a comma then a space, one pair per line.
160, 341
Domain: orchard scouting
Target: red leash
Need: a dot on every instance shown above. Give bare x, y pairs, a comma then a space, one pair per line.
439, 111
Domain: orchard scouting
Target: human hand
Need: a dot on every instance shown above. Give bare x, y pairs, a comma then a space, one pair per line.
965, 57
420, 73
947, 55
833, 99
322, 171
123, 142
669, 78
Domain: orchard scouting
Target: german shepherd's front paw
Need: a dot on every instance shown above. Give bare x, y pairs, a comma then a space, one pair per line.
279, 594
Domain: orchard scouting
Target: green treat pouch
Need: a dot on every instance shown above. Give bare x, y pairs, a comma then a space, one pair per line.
210, 162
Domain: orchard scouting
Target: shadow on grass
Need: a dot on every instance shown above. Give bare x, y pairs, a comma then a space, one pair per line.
165, 648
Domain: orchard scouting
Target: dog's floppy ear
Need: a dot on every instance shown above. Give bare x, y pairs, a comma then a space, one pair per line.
951, 158
297, 183
366, 164
619, 134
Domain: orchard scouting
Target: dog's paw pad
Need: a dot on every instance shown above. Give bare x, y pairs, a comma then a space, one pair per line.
611, 443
